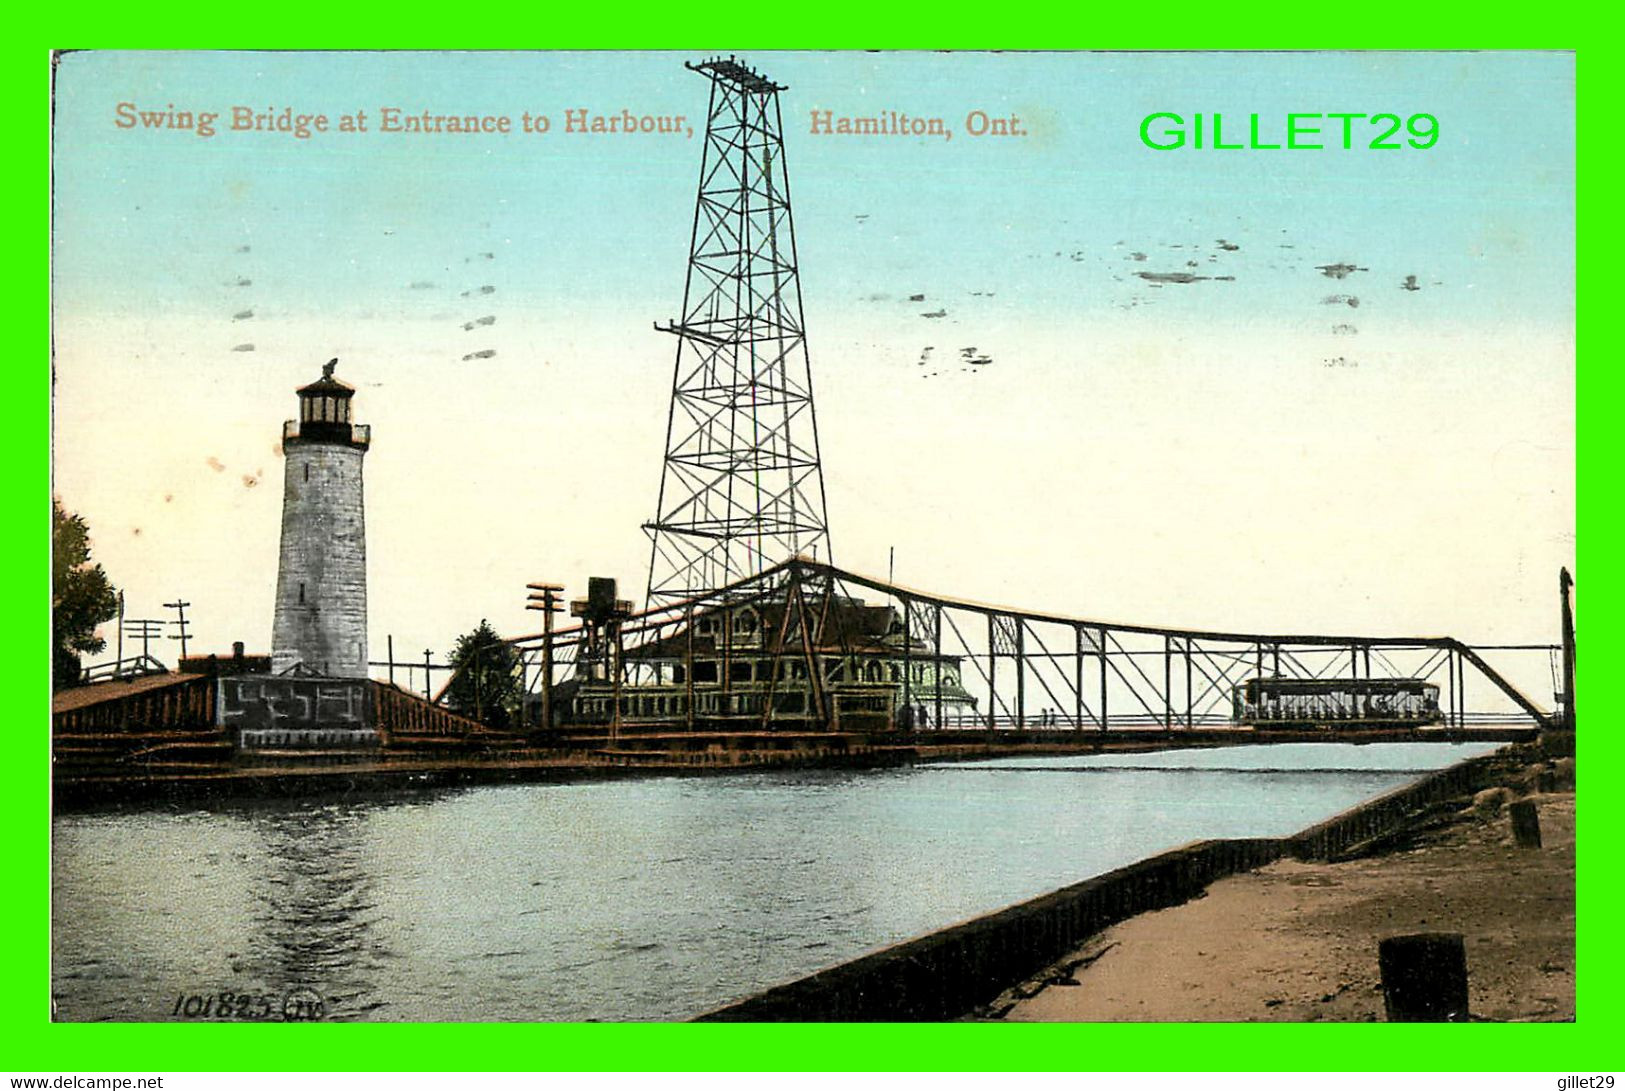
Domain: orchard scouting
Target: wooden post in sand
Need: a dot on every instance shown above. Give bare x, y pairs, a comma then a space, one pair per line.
1525, 824
1424, 977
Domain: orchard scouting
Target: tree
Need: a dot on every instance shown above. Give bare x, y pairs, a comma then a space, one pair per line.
81, 597
486, 681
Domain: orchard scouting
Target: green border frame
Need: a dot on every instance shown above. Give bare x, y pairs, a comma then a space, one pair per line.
35, 1044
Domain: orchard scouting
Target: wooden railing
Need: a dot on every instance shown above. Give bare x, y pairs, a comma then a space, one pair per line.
128, 667
401, 713
188, 703
184, 704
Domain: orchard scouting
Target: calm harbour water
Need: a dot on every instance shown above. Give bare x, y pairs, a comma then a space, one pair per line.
640, 899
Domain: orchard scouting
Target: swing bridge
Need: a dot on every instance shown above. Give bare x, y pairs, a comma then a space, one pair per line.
938, 664
803, 647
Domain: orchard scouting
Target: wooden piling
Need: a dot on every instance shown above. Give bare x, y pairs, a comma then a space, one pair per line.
1424, 977
1525, 824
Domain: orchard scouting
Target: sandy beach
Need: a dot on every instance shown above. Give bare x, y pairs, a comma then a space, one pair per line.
1297, 941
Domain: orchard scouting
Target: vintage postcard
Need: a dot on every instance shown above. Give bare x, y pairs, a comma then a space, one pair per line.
813, 536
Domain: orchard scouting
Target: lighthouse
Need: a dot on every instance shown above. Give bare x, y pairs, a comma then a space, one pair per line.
320, 624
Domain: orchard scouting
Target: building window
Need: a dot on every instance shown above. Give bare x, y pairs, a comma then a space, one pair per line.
307, 471
301, 594
739, 672
705, 671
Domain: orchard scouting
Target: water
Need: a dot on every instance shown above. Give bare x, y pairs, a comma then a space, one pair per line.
639, 899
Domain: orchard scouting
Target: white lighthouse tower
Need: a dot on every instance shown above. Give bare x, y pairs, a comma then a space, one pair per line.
320, 623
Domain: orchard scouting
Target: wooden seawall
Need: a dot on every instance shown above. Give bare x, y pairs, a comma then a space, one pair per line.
950, 972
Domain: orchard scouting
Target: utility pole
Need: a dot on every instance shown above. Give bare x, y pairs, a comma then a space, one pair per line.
546, 597
118, 668
147, 629
1565, 588
614, 626
179, 606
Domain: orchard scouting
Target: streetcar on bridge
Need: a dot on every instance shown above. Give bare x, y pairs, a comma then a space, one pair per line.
1296, 703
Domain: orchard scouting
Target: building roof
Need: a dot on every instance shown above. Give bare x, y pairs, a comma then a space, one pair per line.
326, 385
333, 388
850, 627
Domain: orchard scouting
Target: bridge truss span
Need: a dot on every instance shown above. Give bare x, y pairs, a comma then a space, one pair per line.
843, 639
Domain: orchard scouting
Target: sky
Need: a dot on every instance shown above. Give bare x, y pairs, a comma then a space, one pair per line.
1340, 399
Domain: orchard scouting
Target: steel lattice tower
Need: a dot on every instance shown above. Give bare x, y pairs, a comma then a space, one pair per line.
742, 488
